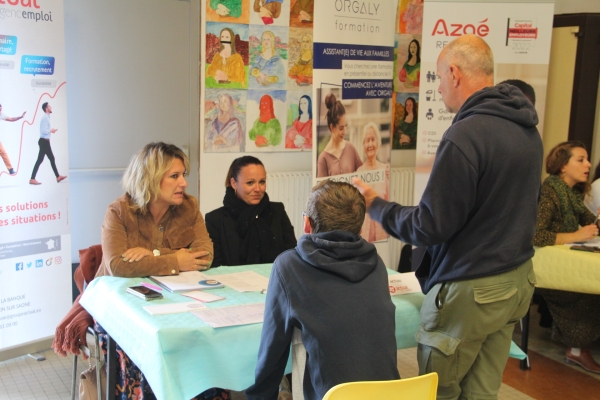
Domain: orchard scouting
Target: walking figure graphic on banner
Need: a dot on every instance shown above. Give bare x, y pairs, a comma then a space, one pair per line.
45, 149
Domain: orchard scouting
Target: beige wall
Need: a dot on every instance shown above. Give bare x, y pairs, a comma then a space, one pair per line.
584, 6
576, 6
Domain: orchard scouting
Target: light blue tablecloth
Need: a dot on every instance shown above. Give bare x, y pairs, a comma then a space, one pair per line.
180, 355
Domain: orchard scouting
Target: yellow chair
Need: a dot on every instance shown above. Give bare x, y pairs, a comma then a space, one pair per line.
422, 387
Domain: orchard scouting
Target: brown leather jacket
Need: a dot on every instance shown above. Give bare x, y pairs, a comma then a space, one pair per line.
122, 229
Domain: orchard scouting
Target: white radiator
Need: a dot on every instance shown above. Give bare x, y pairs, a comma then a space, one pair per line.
292, 189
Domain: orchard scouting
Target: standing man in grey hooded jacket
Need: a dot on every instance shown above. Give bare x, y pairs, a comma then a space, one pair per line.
477, 217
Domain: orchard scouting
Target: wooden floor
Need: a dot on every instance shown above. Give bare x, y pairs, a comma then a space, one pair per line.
550, 378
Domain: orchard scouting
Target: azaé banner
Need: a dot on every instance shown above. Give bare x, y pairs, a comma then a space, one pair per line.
35, 261
519, 35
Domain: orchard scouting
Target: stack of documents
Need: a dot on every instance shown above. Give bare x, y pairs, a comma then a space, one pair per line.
248, 281
191, 280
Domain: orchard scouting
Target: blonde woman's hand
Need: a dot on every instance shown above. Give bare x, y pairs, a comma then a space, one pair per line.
135, 254
196, 261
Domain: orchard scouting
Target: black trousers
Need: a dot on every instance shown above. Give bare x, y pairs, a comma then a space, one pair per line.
45, 150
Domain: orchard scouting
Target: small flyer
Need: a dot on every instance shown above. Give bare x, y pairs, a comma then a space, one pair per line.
403, 284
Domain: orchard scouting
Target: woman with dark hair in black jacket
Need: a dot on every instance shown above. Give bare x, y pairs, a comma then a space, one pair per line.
248, 229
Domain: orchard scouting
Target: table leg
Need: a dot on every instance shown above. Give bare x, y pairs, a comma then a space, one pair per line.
524, 364
111, 367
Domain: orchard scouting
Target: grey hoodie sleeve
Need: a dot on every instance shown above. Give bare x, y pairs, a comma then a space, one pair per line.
444, 208
275, 342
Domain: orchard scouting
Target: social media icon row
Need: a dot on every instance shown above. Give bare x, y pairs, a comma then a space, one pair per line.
38, 263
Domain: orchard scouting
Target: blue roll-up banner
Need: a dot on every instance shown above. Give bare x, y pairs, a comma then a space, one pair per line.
35, 254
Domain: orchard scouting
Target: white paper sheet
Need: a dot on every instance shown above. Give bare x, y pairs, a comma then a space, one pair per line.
595, 242
248, 281
174, 308
232, 316
403, 284
190, 280
202, 296
183, 281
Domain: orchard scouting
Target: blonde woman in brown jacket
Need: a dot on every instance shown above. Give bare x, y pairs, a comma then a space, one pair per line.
155, 228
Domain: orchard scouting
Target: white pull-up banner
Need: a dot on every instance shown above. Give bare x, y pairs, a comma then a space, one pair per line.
35, 261
519, 34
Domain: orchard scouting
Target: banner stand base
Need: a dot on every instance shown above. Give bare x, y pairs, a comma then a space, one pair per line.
37, 356
33, 347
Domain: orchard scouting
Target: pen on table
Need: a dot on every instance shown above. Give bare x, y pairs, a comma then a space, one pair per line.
150, 286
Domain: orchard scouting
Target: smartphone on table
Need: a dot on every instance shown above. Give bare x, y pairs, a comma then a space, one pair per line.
144, 292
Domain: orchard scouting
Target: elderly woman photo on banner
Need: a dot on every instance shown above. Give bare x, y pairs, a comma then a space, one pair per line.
268, 57
226, 55
376, 168
225, 120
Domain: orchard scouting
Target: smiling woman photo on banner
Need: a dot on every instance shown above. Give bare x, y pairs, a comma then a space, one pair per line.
339, 156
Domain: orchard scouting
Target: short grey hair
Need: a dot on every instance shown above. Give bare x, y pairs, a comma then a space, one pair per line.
335, 206
145, 171
472, 55
371, 125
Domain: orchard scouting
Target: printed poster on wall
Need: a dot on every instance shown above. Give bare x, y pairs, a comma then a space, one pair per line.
35, 254
520, 37
352, 88
257, 74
